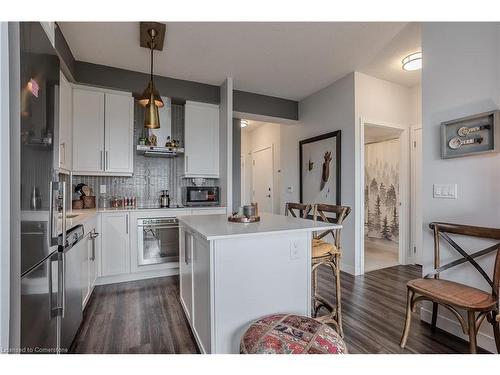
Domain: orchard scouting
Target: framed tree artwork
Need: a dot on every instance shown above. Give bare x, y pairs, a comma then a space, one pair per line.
319, 171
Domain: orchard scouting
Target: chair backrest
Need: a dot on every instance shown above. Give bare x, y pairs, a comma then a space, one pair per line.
300, 209
441, 230
322, 213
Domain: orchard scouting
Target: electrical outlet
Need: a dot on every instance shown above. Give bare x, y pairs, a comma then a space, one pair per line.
295, 249
289, 189
445, 191
102, 189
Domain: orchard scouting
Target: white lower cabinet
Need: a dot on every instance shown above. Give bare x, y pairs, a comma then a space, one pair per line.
201, 292
194, 276
186, 271
115, 244
89, 265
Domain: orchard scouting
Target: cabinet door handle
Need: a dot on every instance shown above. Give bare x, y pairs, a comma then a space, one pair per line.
101, 166
187, 164
63, 146
126, 223
107, 160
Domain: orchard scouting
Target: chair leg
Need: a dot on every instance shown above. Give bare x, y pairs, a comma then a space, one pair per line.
337, 297
406, 331
471, 317
434, 316
496, 330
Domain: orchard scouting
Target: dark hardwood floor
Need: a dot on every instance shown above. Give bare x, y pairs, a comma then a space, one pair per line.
146, 317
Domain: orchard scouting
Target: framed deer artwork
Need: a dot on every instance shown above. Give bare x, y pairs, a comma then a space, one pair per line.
319, 169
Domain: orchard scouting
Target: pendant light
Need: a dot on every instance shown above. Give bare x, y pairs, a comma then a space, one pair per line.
150, 98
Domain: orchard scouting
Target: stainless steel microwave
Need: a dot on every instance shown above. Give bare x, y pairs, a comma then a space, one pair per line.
200, 196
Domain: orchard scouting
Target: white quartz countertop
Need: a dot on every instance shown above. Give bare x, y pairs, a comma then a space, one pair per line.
215, 227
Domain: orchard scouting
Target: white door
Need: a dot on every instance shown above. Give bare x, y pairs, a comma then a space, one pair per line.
119, 128
416, 195
262, 179
115, 244
201, 138
88, 130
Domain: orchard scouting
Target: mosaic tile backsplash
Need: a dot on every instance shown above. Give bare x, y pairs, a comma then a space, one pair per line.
151, 175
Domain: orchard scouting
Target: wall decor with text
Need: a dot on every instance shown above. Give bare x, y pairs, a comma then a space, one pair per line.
470, 135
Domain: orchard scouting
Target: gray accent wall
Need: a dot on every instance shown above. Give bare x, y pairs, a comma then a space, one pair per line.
67, 60
106, 76
248, 102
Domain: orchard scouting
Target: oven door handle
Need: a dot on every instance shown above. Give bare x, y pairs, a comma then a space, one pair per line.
144, 227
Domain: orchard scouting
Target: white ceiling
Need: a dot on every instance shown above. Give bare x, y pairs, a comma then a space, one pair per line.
387, 64
288, 60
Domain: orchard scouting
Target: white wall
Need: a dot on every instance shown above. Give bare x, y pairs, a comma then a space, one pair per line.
383, 101
264, 136
416, 105
330, 109
4, 188
461, 76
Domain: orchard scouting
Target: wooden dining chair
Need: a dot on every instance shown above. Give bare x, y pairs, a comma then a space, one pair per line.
454, 296
326, 253
298, 210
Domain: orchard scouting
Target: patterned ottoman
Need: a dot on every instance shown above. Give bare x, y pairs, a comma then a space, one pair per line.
290, 334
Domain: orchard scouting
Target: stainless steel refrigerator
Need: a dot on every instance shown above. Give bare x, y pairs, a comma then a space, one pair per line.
50, 293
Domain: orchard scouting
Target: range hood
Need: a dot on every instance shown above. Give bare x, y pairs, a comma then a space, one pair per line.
159, 152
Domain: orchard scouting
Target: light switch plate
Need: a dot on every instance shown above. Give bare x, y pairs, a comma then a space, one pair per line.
102, 189
445, 191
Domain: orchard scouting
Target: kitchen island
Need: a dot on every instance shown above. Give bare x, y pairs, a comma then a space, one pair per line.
231, 274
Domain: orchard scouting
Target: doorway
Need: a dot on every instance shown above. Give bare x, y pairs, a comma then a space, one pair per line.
385, 174
262, 179
260, 165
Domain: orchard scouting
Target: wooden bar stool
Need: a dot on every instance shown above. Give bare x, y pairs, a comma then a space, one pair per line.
325, 253
454, 296
299, 210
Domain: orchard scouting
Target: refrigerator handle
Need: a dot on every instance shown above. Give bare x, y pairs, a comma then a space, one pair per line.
63, 284
64, 214
52, 218
49, 276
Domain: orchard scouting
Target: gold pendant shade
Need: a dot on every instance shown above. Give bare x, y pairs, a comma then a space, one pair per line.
152, 116
150, 98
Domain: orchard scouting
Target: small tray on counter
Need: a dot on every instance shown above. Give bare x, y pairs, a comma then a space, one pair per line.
243, 219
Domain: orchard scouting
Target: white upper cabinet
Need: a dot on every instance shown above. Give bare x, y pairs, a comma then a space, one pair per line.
65, 124
201, 140
118, 119
102, 132
88, 130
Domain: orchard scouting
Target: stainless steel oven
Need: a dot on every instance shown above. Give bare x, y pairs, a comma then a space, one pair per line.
158, 240
200, 196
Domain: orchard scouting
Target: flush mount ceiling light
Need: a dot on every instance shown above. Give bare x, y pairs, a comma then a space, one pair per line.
244, 123
152, 35
412, 61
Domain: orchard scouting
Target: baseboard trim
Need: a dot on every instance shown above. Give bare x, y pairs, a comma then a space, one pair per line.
347, 268
103, 280
452, 326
